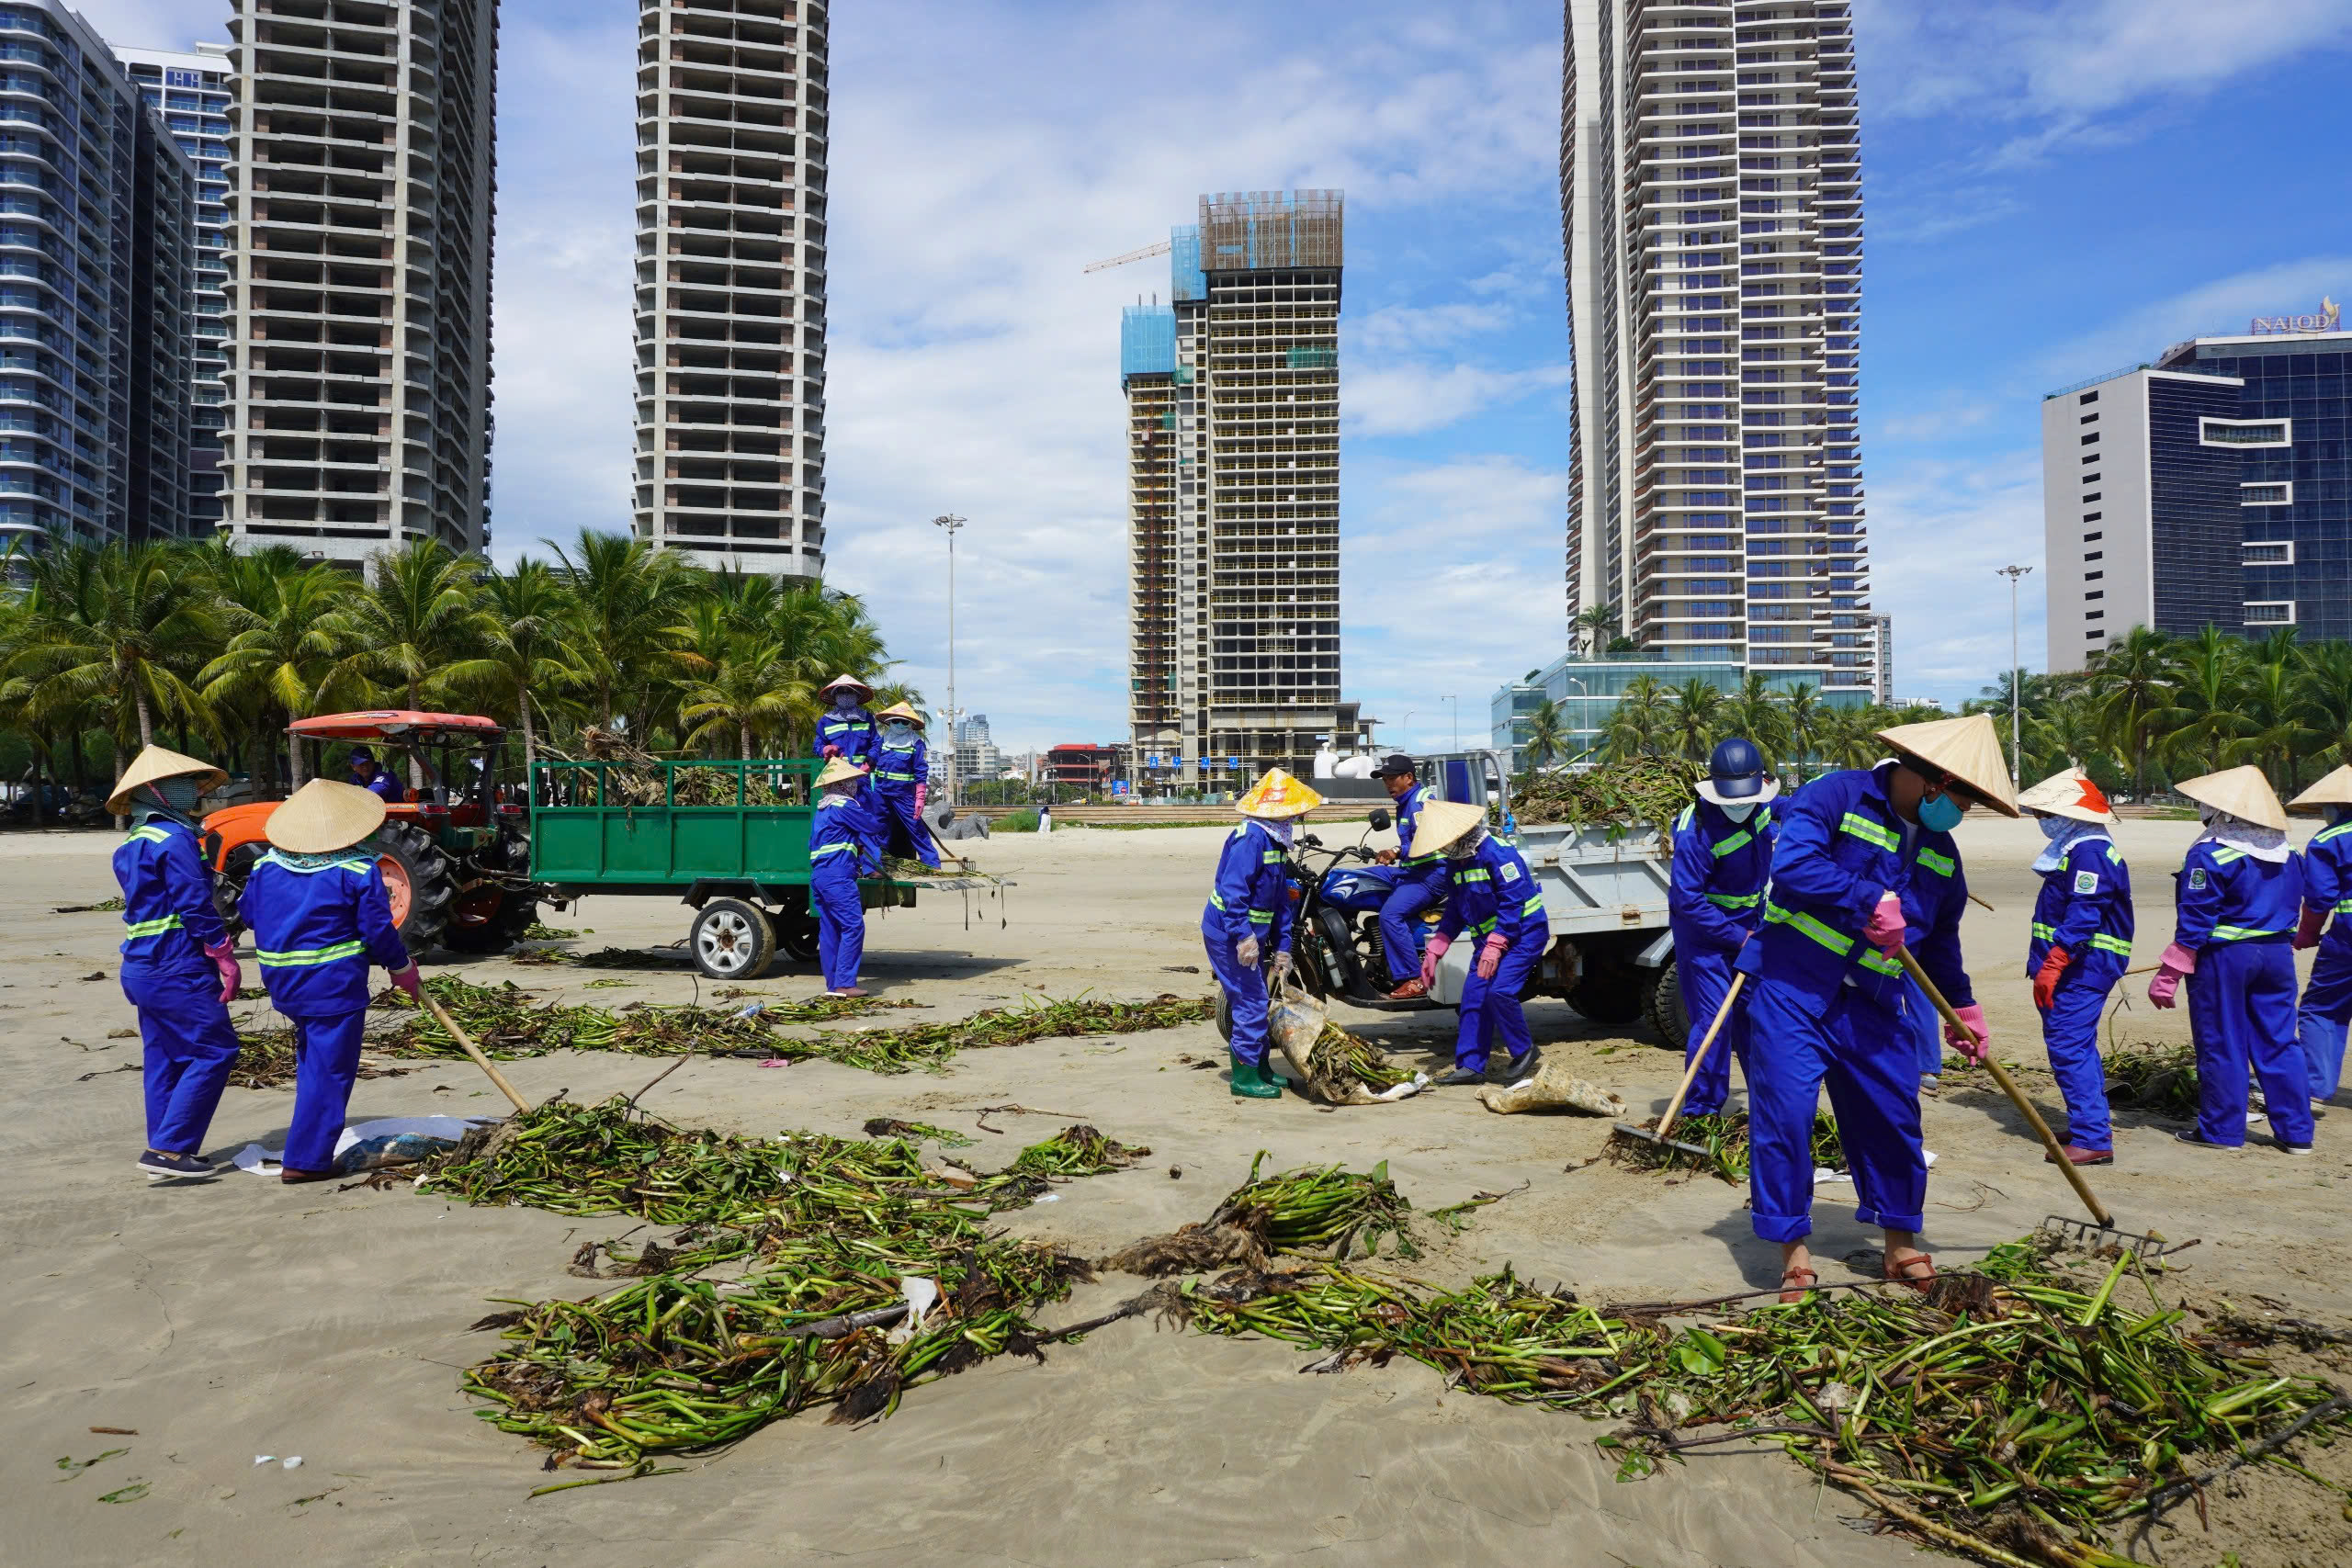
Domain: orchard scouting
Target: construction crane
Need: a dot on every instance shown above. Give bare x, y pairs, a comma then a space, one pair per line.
1159, 249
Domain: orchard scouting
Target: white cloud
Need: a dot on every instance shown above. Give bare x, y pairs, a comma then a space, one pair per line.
1408, 327
1411, 400
2222, 306
156, 24
1939, 536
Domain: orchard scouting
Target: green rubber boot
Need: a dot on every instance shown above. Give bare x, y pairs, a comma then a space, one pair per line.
1253, 1082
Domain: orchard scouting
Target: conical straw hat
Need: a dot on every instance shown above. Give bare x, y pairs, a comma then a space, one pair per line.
852, 682
1278, 795
1968, 748
323, 816
1441, 822
155, 763
900, 710
2070, 795
2335, 789
838, 770
2243, 793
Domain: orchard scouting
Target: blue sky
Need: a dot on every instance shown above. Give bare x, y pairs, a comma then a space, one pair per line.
2052, 191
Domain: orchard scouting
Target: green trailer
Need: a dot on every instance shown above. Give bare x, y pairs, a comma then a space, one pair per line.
730, 839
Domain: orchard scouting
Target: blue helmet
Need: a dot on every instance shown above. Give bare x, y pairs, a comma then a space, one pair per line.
359, 754
1735, 772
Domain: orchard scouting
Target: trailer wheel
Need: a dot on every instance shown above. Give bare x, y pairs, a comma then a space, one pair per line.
732, 940
489, 919
1609, 995
1668, 1015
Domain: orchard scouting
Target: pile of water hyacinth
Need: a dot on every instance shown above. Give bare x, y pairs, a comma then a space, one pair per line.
1652, 790
1724, 1136
509, 1022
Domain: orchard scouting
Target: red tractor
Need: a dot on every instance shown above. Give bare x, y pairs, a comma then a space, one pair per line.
456, 860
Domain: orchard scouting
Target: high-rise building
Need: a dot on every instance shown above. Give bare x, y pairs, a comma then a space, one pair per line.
730, 281
1882, 644
1233, 495
1711, 200
2202, 489
96, 232
191, 92
361, 206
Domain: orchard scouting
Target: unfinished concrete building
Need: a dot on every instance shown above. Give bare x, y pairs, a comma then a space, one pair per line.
730, 282
1232, 417
361, 207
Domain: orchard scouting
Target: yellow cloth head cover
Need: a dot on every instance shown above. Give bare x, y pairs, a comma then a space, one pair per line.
1278, 795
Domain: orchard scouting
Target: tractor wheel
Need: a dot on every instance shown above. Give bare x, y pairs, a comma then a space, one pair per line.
417, 877
1665, 1010
489, 919
228, 887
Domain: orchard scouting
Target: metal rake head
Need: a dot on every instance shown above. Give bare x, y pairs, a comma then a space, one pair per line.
2083, 1234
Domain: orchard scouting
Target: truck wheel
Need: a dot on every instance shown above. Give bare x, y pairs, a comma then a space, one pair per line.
1665, 1010
1224, 1016
732, 940
1611, 996
417, 876
796, 930
489, 919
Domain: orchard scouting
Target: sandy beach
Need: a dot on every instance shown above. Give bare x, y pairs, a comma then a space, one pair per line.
242, 1317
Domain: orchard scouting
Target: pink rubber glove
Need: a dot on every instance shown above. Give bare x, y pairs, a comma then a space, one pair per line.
1973, 1041
1491, 956
2307, 933
832, 752
923, 794
1430, 956
223, 955
2177, 962
1885, 930
410, 983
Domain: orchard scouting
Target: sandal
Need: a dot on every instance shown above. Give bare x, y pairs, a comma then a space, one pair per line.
1900, 1273
1791, 1294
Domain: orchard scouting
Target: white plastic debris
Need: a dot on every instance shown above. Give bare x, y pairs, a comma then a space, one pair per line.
265, 1459
292, 1461
921, 1295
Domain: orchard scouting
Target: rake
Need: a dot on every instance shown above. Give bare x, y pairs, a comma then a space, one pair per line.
1698, 1060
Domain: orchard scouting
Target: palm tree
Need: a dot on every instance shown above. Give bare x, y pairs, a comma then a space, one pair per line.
2204, 717
1753, 712
116, 629
2326, 701
1806, 720
743, 684
1695, 713
2132, 685
1637, 726
1547, 733
529, 608
2271, 708
629, 610
285, 645
1598, 623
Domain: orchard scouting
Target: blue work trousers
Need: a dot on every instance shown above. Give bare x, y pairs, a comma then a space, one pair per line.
1400, 919
2070, 1032
326, 1063
840, 920
1925, 1027
1868, 1056
2242, 1015
1705, 979
1491, 1014
2326, 1009
895, 804
190, 1048
1244, 991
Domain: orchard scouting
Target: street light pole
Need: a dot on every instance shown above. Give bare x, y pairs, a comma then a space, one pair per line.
952, 525
2016, 674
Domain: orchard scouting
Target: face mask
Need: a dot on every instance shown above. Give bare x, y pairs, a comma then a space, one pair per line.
180, 794
2338, 814
845, 701
1739, 813
1940, 814
898, 730
2054, 827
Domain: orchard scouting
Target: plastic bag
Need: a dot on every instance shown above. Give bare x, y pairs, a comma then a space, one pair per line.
1552, 1088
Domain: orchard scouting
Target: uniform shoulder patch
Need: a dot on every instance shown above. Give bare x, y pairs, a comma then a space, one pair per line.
2196, 878
2087, 882
1511, 872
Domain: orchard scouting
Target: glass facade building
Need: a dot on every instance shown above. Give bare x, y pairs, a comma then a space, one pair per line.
1586, 690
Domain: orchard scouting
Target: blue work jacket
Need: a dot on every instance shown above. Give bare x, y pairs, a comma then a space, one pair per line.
2327, 873
167, 915
1841, 846
2084, 907
899, 768
1251, 896
852, 732
1491, 890
315, 931
843, 831
1409, 817
386, 787
2222, 895
1721, 867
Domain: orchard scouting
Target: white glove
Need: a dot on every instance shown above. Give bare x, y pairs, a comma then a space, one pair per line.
1280, 967
1246, 950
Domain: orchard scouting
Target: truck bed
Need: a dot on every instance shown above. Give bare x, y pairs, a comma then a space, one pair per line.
1593, 883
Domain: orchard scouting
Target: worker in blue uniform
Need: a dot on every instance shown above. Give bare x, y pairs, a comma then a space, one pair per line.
2238, 900
375, 780
2079, 947
1864, 866
320, 916
846, 729
844, 843
2320, 1025
902, 783
1490, 894
1420, 884
179, 965
1246, 927
1723, 857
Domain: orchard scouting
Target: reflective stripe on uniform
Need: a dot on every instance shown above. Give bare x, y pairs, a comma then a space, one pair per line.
303, 956
1262, 917
2324, 834
149, 832
1738, 841
134, 929
1533, 907
273, 858
1943, 865
1736, 900
2241, 933
896, 778
821, 851
1869, 832
2047, 933
2106, 943
2343, 906
1874, 959
2224, 857
1477, 875
1482, 928
1836, 941
1271, 857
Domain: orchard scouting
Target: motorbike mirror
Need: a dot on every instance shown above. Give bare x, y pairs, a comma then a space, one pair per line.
1311, 841
1382, 821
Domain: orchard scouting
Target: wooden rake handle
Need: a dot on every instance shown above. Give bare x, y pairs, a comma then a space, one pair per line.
1699, 1057
2009, 1087
465, 1042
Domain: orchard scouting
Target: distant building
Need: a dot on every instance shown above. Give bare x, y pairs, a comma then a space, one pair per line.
2203, 488
1233, 495
1883, 632
1079, 764
1586, 692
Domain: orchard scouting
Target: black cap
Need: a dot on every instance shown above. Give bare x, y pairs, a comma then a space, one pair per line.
1396, 765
